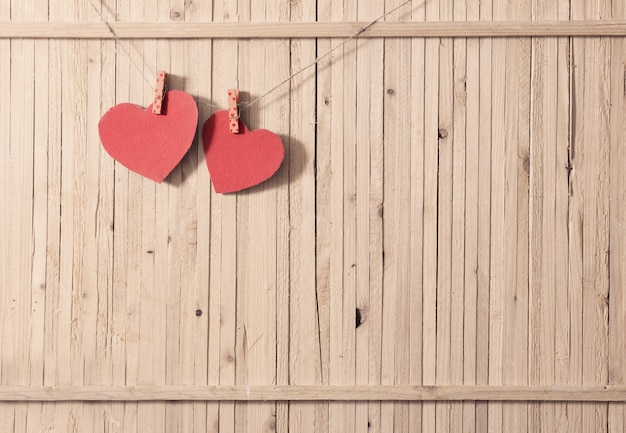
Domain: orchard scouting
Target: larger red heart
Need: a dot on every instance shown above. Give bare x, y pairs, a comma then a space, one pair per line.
149, 144
239, 161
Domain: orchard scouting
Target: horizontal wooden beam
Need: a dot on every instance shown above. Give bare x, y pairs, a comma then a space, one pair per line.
312, 393
249, 30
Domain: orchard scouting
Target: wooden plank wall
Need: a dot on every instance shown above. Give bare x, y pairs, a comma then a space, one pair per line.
449, 212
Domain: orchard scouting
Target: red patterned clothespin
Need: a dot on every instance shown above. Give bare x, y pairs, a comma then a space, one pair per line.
159, 92
233, 111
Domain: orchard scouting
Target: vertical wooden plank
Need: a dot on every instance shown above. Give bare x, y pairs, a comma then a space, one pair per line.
595, 363
549, 327
75, 135
398, 182
88, 196
576, 205
305, 362
221, 313
298, 163
73, 156
53, 240
131, 87
365, 67
473, 202
339, 183
181, 229
257, 233
91, 203
326, 103
214, 236
431, 157
224, 237
192, 331
105, 217
591, 216
185, 227
458, 290
20, 418
7, 415
123, 416
207, 357
542, 164
214, 360
153, 287
18, 214
617, 185
497, 282
445, 217
60, 213
330, 173
562, 420
36, 416
203, 418
509, 221
244, 414
418, 134
40, 204
483, 320
97, 235
164, 417
517, 115
176, 415
86, 294
5, 137
124, 337
5, 11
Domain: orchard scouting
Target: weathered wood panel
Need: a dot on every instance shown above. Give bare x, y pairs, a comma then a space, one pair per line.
450, 212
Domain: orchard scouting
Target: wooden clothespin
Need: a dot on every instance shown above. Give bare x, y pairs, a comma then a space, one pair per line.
159, 92
233, 111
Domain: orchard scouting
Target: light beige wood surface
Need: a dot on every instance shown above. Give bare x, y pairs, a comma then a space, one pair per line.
275, 393
441, 251
149, 29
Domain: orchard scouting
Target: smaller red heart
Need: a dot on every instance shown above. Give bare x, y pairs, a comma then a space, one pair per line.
239, 161
149, 144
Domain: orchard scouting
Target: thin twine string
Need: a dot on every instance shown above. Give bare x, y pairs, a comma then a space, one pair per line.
328, 53
118, 42
245, 105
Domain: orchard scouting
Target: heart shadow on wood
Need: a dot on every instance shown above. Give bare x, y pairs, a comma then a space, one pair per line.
296, 156
289, 170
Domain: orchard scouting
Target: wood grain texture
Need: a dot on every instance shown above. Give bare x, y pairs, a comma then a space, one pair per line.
431, 156
520, 27
302, 363
591, 211
441, 249
617, 342
398, 287
468, 91
445, 393
223, 245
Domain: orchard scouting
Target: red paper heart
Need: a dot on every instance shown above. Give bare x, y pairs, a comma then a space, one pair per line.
239, 161
150, 144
